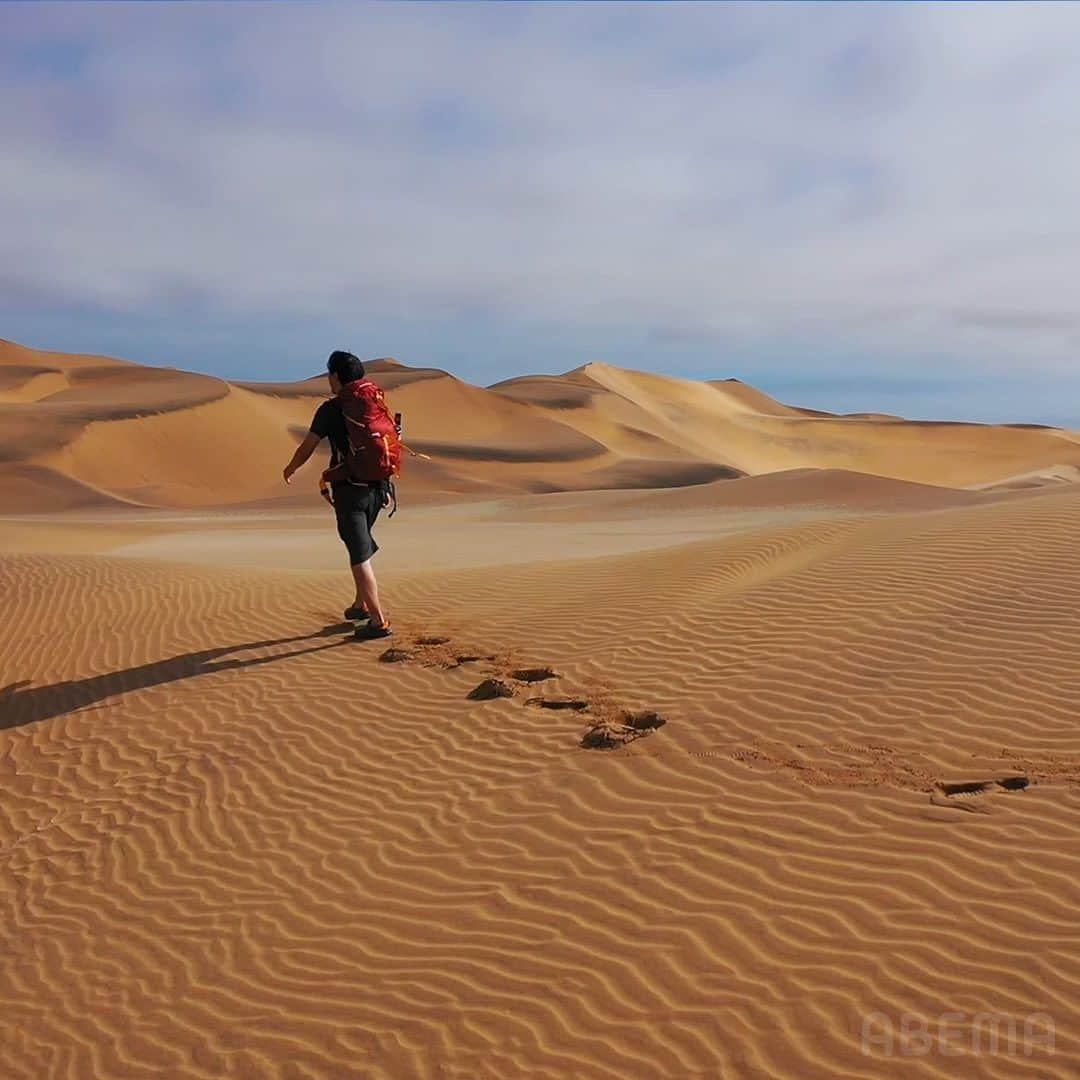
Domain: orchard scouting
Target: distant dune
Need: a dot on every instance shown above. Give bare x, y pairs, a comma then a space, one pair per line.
79, 429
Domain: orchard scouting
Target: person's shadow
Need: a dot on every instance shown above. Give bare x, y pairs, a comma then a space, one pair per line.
23, 703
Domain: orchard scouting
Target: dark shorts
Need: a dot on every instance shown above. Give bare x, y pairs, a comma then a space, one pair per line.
357, 508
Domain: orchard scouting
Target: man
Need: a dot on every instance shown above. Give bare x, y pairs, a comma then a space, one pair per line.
356, 505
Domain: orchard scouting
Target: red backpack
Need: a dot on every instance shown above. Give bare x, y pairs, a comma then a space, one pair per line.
374, 440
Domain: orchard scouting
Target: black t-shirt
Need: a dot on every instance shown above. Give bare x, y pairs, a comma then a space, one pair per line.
329, 423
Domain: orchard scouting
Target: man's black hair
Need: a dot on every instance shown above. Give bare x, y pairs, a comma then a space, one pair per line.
345, 366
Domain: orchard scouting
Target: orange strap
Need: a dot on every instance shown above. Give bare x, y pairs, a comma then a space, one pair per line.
415, 453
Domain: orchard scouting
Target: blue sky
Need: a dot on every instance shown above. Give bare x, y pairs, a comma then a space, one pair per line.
852, 206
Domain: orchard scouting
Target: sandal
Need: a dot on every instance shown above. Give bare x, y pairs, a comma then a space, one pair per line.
356, 613
371, 631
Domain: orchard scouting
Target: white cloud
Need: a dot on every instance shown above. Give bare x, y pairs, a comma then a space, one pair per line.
877, 179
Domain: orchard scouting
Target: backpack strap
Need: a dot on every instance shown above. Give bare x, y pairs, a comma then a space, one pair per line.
415, 453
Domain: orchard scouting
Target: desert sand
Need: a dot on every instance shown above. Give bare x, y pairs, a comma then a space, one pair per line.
234, 842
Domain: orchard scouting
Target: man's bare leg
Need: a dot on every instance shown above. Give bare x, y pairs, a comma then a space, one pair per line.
367, 591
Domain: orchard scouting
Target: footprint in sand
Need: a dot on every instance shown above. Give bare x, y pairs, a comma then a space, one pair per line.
502, 688
576, 704
606, 734
968, 794
489, 689
432, 651
534, 674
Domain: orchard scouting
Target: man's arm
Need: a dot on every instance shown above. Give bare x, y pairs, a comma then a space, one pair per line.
303, 452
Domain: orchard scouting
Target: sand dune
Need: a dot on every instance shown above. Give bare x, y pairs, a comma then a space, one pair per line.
233, 843
171, 438
834, 656
30, 488
837, 489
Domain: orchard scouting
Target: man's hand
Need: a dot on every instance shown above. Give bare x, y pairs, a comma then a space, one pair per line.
303, 452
